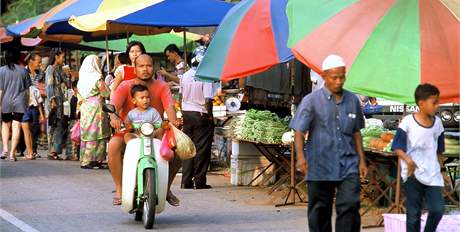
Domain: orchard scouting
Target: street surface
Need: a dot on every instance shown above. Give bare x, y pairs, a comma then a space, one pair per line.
43, 195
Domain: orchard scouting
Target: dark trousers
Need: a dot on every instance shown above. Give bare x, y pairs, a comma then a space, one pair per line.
200, 128
320, 200
35, 128
416, 194
32, 116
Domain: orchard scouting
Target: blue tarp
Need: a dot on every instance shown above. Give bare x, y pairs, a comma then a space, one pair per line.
178, 13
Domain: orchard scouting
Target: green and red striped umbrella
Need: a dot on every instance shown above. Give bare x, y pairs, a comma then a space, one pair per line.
389, 46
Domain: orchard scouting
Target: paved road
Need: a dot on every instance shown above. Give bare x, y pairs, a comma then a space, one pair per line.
59, 196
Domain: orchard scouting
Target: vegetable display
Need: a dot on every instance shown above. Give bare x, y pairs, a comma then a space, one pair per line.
259, 126
377, 138
452, 146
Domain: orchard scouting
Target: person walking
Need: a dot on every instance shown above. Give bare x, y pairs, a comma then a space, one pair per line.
14, 97
419, 144
94, 123
35, 112
333, 158
197, 99
55, 84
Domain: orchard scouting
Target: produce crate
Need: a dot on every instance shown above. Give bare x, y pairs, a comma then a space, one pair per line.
245, 168
247, 163
397, 223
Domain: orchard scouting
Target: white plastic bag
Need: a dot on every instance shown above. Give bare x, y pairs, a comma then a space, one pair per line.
185, 148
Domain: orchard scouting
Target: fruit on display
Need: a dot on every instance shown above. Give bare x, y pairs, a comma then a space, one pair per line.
218, 101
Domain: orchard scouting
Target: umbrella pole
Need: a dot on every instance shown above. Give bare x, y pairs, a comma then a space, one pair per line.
107, 51
290, 198
127, 37
185, 47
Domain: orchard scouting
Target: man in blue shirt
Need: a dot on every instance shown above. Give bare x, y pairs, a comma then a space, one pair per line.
333, 157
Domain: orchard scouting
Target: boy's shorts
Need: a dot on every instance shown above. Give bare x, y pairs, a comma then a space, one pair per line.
8, 117
30, 115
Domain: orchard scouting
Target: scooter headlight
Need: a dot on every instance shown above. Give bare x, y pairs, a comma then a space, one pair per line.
147, 129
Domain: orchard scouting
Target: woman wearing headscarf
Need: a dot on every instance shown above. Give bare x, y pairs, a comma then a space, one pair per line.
94, 122
56, 80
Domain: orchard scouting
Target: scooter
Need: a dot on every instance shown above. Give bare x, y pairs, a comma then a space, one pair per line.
145, 174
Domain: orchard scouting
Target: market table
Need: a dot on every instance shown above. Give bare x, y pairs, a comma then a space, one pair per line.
279, 155
378, 177
379, 181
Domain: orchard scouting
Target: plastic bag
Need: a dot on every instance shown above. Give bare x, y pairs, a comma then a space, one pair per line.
167, 144
185, 148
76, 132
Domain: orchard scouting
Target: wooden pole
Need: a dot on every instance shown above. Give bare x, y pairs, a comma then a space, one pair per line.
107, 50
185, 48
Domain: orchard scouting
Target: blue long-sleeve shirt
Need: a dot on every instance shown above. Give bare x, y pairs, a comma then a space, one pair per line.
330, 149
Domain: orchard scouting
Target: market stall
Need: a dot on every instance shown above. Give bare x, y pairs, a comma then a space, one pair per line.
258, 155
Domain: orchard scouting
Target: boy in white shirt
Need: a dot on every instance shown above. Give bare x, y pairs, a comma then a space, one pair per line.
419, 143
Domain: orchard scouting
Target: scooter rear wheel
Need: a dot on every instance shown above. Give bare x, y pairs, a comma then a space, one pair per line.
150, 198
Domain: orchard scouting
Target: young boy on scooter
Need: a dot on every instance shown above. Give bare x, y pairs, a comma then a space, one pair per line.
143, 113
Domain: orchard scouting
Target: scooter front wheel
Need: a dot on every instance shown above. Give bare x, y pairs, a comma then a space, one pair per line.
150, 198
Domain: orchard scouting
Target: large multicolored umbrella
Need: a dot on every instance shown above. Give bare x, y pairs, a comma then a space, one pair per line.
250, 39
32, 27
112, 10
390, 46
56, 23
176, 13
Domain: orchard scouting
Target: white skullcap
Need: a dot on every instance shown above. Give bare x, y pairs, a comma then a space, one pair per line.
333, 61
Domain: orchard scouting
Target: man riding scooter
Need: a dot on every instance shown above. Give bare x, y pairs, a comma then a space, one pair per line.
161, 100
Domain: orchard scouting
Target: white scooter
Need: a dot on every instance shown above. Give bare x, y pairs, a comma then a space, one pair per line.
145, 175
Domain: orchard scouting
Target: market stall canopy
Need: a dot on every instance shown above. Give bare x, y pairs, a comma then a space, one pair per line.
4, 37
389, 46
16, 30
174, 13
251, 38
33, 27
115, 9
153, 43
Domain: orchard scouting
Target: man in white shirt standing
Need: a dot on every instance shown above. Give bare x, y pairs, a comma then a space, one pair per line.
198, 125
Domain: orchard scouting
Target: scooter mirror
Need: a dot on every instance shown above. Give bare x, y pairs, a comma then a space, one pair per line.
108, 108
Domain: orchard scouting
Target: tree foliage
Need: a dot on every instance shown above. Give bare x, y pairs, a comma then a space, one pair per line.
22, 9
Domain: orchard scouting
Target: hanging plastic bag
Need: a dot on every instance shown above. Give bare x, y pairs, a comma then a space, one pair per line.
185, 148
76, 132
167, 145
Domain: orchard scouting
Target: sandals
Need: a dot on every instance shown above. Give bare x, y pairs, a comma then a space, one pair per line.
54, 156
36, 155
101, 165
116, 201
86, 167
3, 155
12, 158
71, 158
172, 200
32, 157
